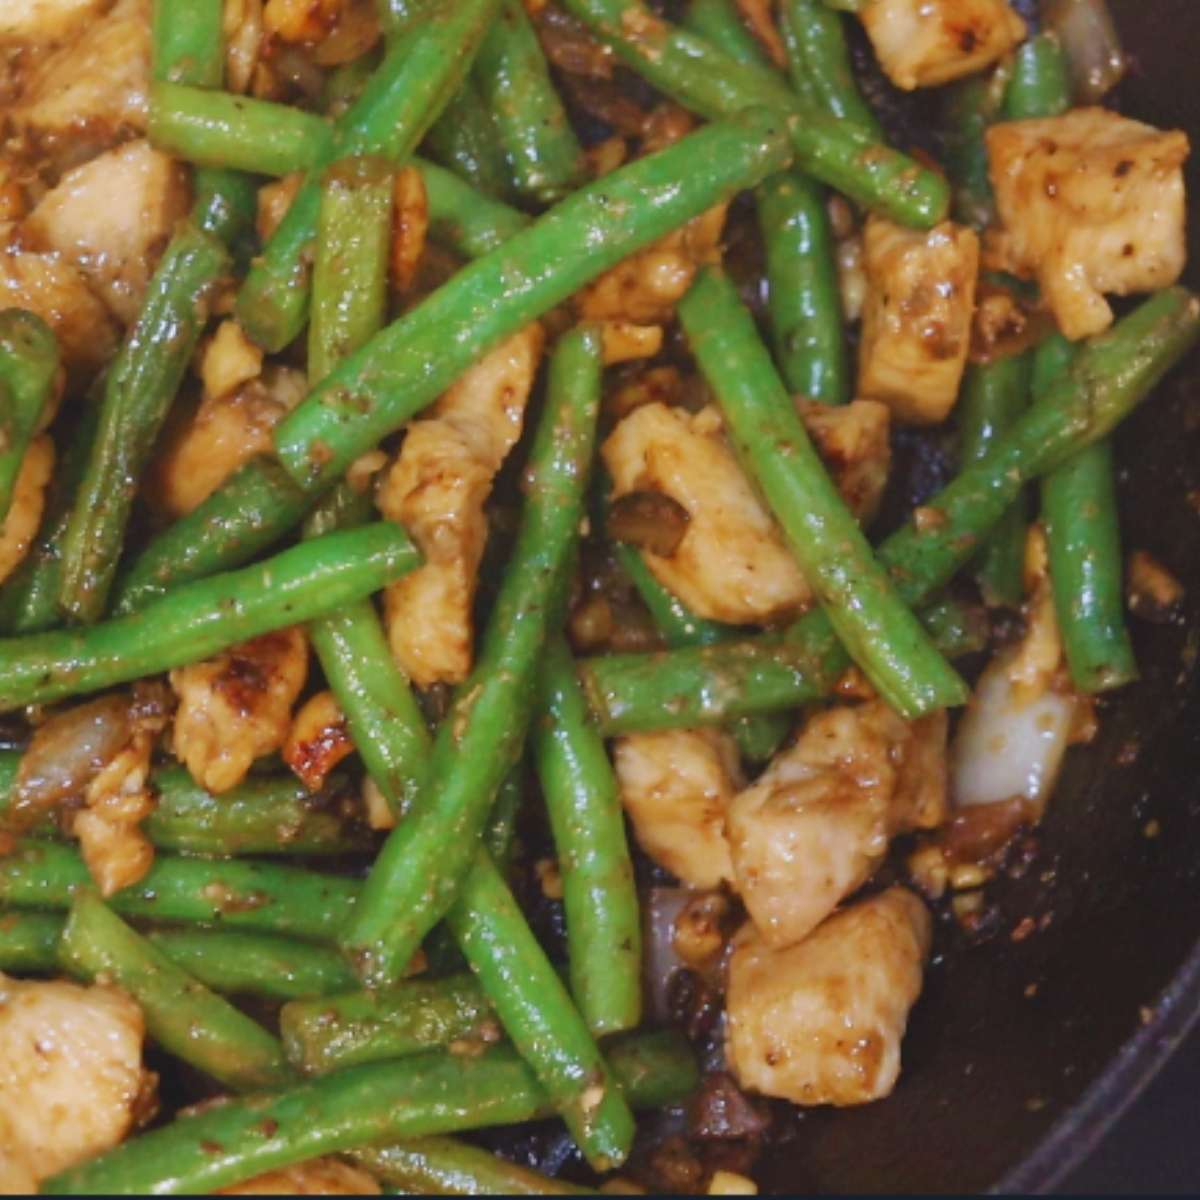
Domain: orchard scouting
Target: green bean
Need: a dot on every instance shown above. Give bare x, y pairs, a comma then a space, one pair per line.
876, 627
543, 154
233, 893
333, 1032
29, 943
804, 301
850, 6
139, 389
29, 597
699, 76
363, 1106
993, 397
957, 629
416, 358
344, 84
819, 63
225, 204
1113, 374
186, 42
464, 220
28, 374
182, 1015
220, 129
465, 139
417, 78
604, 943
200, 619
255, 964
399, 16
350, 274
421, 867
969, 107
443, 1166
719, 22
1040, 85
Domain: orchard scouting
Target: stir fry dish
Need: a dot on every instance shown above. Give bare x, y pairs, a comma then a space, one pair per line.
549, 551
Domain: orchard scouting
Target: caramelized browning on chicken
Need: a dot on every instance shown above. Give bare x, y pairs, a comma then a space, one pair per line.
318, 741
820, 1021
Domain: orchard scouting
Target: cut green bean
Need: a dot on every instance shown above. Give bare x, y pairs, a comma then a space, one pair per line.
876, 627
819, 63
604, 943
370, 1105
1113, 374
1040, 85
28, 374
543, 154
465, 139
186, 43
443, 1166
969, 107
350, 274
233, 892
182, 1015
416, 358
422, 865
464, 220
698, 75
957, 629
334, 1032
139, 389
201, 619
417, 78
29, 943
804, 300
719, 22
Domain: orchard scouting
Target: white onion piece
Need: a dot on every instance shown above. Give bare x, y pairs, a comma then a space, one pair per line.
1005, 747
1089, 39
661, 959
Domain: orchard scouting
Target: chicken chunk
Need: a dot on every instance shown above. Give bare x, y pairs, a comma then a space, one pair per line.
817, 822
921, 43
916, 327
854, 443
1089, 202
676, 786
317, 1177
238, 706
731, 564
24, 516
111, 218
318, 741
43, 21
93, 91
646, 287
437, 489
820, 1022
71, 1077
58, 293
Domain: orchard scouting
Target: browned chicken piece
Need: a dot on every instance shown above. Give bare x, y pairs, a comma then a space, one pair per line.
821, 1021
274, 199
57, 292
229, 359
1089, 202
93, 91
676, 786
817, 822
854, 443
238, 706
71, 1077
242, 26
731, 563
626, 342
319, 739
24, 516
317, 1177
921, 43
646, 287
759, 15
112, 218
301, 20
437, 489
45, 21
226, 431
916, 328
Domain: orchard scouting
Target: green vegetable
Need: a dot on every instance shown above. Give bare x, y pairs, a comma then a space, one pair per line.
543, 154
419, 74
1040, 85
719, 22
233, 892
29, 943
28, 374
200, 619
878, 630
604, 941
1113, 374
464, 220
416, 358
420, 869
701, 77
182, 1015
466, 140
186, 43
969, 106
957, 629
363, 1106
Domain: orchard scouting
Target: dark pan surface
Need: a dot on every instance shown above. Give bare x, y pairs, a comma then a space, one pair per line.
1021, 1054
